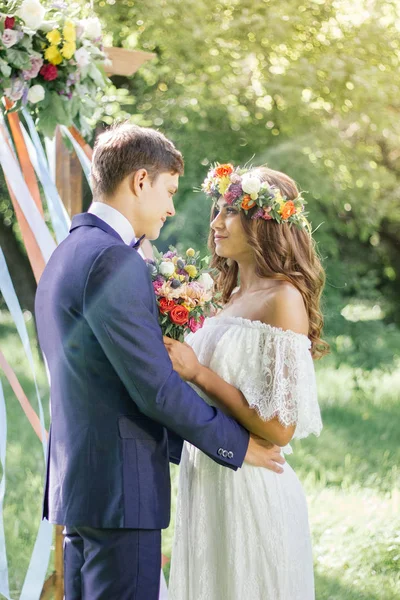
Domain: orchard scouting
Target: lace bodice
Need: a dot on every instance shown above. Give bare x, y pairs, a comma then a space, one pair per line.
273, 368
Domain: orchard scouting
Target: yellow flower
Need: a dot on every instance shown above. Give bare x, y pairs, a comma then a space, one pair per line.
188, 306
69, 32
52, 54
190, 252
223, 184
68, 50
54, 37
191, 270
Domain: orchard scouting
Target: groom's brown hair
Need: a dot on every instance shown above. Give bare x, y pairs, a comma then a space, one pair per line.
124, 149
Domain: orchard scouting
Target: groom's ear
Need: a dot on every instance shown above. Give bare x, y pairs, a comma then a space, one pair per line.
138, 180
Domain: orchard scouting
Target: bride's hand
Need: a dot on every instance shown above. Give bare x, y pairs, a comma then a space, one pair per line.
184, 360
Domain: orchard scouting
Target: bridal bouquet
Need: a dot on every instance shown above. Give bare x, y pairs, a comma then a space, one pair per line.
51, 61
183, 291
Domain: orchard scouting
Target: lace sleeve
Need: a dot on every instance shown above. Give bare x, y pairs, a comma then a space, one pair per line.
274, 370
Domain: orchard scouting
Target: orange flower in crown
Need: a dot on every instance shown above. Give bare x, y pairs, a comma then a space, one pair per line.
244, 189
223, 170
288, 209
247, 203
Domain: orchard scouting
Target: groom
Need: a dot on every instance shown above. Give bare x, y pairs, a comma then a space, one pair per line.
119, 412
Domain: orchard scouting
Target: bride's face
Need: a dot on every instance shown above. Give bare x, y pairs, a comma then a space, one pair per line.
229, 235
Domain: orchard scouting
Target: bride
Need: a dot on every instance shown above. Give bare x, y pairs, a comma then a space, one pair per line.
245, 535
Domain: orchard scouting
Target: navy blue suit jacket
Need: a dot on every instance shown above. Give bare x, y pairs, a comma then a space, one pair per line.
118, 410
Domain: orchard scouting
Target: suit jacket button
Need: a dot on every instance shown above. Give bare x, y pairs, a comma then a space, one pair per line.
230, 454
220, 451
225, 453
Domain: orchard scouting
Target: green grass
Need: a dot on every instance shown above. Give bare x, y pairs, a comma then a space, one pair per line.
350, 474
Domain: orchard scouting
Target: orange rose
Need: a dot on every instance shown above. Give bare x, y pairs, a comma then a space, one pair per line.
166, 305
224, 170
288, 210
179, 315
247, 203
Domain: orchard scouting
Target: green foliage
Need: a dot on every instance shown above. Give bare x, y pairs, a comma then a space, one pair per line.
311, 89
350, 474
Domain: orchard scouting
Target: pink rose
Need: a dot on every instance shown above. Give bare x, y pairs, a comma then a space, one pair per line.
36, 65
16, 91
10, 37
196, 325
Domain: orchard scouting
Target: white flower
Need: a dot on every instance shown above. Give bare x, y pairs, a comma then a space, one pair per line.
206, 281
9, 38
250, 184
36, 94
32, 12
167, 269
82, 57
92, 28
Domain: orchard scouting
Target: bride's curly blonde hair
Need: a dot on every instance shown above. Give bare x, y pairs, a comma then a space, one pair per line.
281, 252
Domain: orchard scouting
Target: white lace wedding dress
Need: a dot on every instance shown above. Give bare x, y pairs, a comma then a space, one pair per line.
244, 535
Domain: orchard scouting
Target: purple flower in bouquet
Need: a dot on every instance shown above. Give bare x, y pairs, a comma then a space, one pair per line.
36, 65
233, 192
157, 285
169, 254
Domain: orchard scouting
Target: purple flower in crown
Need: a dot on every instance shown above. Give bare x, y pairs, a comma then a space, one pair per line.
33, 71
233, 192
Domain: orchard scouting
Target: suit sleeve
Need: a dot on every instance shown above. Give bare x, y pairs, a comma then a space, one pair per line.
118, 305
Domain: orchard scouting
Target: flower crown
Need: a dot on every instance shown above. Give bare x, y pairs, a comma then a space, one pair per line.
243, 189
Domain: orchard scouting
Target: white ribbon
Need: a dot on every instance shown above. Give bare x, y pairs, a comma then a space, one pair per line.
4, 585
59, 216
21, 191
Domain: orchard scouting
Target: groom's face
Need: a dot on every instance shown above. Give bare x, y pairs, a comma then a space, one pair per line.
154, 203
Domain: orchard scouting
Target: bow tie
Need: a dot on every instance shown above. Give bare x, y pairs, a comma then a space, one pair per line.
136, 244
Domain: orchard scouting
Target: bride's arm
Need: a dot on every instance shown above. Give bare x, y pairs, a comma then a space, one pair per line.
233, 401
286, 311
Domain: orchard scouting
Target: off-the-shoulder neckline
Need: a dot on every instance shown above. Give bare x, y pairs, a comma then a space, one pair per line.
255, 325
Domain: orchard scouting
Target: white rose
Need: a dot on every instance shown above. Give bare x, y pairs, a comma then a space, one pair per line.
206, 281
92, 28
9, 38
82, 57
32, 12
36, 94
167, 268
250, 184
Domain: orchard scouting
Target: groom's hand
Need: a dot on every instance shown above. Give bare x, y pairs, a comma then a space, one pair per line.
261, 453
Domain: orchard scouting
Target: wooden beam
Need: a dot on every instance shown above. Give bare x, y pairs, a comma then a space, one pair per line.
126, 62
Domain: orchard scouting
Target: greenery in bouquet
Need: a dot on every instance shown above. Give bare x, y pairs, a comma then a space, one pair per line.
51, 62
184, 291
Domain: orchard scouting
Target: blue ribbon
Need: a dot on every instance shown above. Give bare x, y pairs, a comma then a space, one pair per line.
4, 585
37, 569
59, 216
10, 298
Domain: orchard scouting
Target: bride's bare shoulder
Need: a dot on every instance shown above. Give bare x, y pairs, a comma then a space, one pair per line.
286, 309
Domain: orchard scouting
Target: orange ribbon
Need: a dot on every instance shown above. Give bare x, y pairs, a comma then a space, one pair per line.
23, 400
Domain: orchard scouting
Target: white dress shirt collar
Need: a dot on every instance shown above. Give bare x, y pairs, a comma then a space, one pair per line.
114, 219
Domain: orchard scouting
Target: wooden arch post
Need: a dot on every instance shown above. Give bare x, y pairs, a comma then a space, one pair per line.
69, 184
